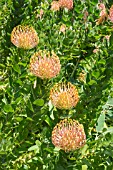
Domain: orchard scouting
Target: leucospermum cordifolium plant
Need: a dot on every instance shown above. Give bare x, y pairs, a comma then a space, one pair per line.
56, 85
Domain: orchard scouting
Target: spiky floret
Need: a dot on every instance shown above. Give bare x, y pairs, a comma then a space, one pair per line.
45, 65
66, 4
24, 37
68, 135
64, 95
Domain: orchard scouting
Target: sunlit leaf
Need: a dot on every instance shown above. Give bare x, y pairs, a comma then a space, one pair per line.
39, 102
84, 167
100, 122
32, 148
8, 108
110, 101
17, 68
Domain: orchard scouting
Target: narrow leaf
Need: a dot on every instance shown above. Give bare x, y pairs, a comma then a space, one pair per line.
17, 68
100, 122
32, 148
29, 104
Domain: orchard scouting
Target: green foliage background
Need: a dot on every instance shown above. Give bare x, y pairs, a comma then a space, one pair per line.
27, 117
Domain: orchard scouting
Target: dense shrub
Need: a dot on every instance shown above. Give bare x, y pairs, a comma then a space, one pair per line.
82, 37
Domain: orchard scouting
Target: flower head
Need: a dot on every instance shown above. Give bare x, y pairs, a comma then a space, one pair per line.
55, 6
66, 4
64, 95
45, 66
68, 135
24, 37
111, 14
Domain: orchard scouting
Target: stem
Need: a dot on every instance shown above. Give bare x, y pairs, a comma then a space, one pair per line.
72, 74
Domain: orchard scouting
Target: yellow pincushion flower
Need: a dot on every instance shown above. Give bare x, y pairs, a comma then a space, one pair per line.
64, 95
24, 37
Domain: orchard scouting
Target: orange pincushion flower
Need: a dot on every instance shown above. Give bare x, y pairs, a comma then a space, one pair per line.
66, 4
68, 135
103, 14
64, 96
24, 37
55, 6
111, 14
45, 66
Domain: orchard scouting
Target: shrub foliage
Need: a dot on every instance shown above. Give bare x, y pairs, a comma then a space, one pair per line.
82, 38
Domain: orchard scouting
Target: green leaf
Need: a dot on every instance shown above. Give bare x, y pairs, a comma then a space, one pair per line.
48, 149
84, 167
39, 102
102, 61
25, 167
84, 149
96, 74
17, 68
100, 122
8, 108
35, 158
32, 148
92, 82
38, 143
48, 121
50, 105
29, 118
18, 119
52, 115
110, 101
40, 160
109, 130
111, 39
29, 104
57, 149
